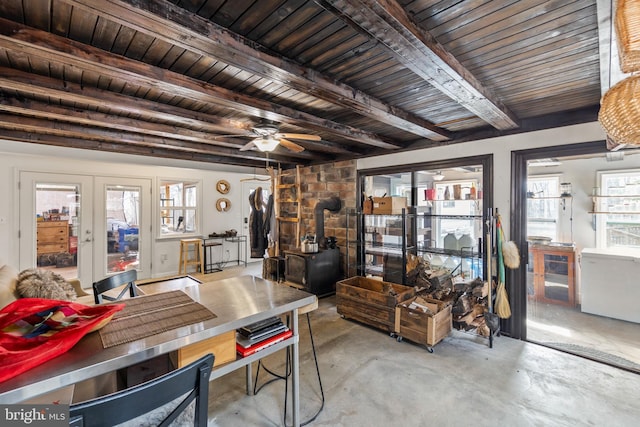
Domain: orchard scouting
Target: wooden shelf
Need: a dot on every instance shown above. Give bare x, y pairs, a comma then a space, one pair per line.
293, 198
287, 219
614, 212
549, 197
620, 196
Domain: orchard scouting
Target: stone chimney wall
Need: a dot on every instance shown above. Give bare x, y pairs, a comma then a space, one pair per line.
319, 182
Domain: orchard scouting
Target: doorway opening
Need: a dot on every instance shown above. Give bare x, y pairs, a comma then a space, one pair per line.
577, 287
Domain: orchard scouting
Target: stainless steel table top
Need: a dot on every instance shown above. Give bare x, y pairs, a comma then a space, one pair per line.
236, 302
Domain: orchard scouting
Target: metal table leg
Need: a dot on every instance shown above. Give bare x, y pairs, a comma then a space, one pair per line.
249, 375
295, 371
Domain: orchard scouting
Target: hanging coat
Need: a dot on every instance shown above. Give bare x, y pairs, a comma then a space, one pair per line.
257, 238
269, 220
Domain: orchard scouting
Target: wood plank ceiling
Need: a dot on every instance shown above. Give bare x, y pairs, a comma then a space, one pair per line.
190, 79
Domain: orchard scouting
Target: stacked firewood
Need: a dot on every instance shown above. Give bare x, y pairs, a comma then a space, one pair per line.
468, 297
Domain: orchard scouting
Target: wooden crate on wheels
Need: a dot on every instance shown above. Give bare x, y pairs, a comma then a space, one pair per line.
370, 301
427, 328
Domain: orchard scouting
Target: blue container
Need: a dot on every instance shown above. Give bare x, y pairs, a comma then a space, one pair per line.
128, 239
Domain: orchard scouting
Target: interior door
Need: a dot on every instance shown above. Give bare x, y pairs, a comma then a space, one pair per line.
66, 202
123, 216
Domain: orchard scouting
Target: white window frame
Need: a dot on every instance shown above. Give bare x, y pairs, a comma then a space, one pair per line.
602, 205
552, 197
168, 212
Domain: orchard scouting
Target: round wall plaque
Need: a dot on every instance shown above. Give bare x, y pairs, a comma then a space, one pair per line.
223, 186
223, 205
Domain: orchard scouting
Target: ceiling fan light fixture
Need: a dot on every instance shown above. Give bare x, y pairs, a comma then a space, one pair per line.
266, 143
438, 176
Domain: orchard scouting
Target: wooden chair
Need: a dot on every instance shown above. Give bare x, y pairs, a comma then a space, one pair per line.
127, 278
154, 400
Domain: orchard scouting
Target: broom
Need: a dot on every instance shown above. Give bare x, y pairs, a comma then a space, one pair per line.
503, 309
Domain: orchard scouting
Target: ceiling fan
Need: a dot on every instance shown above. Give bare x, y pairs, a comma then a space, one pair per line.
267, 138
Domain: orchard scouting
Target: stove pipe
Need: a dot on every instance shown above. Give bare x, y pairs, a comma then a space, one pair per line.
334, 205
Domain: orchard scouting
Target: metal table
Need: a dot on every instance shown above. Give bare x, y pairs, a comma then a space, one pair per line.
236, 301
211, 264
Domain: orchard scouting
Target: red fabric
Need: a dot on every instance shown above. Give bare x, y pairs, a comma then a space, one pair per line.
34, 330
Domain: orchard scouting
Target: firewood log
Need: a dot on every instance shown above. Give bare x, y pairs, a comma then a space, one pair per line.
481, 291
440, 279
462, 305
412, 262
468, 318
483, 330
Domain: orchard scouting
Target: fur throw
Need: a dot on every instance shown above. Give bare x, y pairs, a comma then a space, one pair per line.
34, 283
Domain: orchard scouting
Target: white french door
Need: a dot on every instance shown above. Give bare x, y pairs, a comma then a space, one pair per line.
123, 210
73, 206
100, 238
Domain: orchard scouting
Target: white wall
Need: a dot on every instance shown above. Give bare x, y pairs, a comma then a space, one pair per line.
15, 157
501, 148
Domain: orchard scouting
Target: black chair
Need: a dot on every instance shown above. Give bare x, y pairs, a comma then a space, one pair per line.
150, 399
127, 278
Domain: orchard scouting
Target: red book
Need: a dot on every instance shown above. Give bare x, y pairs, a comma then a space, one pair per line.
248, 351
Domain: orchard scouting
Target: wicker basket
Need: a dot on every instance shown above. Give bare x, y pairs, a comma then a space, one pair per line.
620, 111
627, 24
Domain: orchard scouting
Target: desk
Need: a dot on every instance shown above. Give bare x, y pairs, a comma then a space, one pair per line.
216, 263
237, 302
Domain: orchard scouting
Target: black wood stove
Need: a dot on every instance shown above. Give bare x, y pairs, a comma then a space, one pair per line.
317, 272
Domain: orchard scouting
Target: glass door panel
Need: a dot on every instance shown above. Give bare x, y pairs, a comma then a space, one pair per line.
556, 277
123, 211
123, 228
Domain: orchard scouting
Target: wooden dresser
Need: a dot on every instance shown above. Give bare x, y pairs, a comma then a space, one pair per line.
53, 237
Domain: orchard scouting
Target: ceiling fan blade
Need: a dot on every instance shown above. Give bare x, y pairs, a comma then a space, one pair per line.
302, 136
248, 146
291, 145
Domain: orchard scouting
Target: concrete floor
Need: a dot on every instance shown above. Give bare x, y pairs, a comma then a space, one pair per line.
615, 341
370, 379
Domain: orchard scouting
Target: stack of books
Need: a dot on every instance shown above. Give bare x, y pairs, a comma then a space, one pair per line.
259, 335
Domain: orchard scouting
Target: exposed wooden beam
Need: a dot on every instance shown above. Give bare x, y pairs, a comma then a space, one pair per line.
175, 25
72, 131
30, 41
414, 47
122, 104
27, 107
115, 147
532, 124
59, 113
